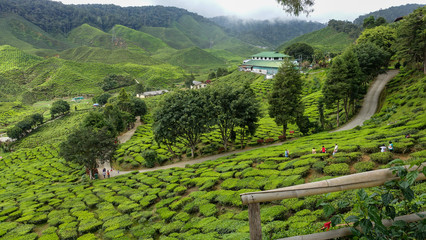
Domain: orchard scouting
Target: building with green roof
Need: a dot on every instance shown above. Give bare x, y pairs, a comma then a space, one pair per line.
266, 63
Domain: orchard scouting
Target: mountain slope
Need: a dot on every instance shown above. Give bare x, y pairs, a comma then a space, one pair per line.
20, 33
141, 39
327, 39
390, 14
109, 56
265, 33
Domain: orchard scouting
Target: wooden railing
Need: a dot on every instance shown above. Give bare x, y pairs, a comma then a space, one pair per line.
354, 181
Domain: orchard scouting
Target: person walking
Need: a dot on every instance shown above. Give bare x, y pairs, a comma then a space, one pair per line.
323, 150
287, 153
314, 151
335, 149
108, 174
104, 172
383, 148
390, 147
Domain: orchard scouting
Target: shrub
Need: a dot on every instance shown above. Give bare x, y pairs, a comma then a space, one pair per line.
171, 227
150, 157
337, 169
269, 140
88, 236
339, 160
381, 157
117, 222
143, 232
420, 154
259, 141
89, 225
165, 213
208, 209
319, 166
269, 214
364, 166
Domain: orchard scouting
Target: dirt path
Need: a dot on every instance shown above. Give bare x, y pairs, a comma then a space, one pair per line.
122, 139
190, 162
369, 107
371, 101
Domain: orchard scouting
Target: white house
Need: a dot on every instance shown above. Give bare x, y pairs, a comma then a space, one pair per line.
266, 63
198, 85
151, 93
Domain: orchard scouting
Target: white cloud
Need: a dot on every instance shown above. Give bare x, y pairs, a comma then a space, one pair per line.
324, 10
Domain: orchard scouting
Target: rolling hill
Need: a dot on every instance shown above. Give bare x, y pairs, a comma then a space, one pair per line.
327, 39
18, 32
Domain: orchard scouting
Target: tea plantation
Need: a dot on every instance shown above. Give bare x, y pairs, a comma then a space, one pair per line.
44, 197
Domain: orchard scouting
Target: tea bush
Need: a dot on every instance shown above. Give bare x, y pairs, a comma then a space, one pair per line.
337, 169
364, 166
381, 157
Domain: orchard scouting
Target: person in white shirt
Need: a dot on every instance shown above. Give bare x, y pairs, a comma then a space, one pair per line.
335, 149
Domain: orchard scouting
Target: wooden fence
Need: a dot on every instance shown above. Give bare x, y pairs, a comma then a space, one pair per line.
354, 181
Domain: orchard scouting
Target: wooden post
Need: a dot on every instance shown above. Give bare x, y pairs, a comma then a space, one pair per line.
254, 221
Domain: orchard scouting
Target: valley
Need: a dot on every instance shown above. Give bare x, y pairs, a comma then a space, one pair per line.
70, 77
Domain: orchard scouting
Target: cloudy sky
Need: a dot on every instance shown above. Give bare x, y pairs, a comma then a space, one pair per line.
324, 10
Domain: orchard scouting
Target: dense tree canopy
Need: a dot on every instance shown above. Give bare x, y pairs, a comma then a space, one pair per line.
285, 103
59, 107
184, 116
231, 107
371, 58
382, 36
411, 43
88, 146
301, 51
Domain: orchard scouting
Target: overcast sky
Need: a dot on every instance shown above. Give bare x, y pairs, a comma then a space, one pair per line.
324, 10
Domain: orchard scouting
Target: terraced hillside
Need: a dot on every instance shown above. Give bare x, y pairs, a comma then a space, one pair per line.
43, 197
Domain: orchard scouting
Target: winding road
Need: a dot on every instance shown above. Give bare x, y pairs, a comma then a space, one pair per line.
371, 101
369, 107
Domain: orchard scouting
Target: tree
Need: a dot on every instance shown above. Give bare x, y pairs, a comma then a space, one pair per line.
37, 118
370, 22
102, 99
334, 84
296, 6
88, 146
285, 101
371, 59
411, 38
138, 107
382, 36
139, 88
59, 107
303, 123
353, 81
15, 132
123, 101
248, 113
26, 124
231, 107
189, 81
300, 51
183, 116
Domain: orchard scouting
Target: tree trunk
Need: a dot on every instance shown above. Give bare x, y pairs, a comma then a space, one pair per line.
242, 139
192, 151
169, 147
424, 63
338, 113
345, 103
284, 131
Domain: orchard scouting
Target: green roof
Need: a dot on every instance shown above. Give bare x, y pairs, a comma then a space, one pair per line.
270, 55
262, 63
